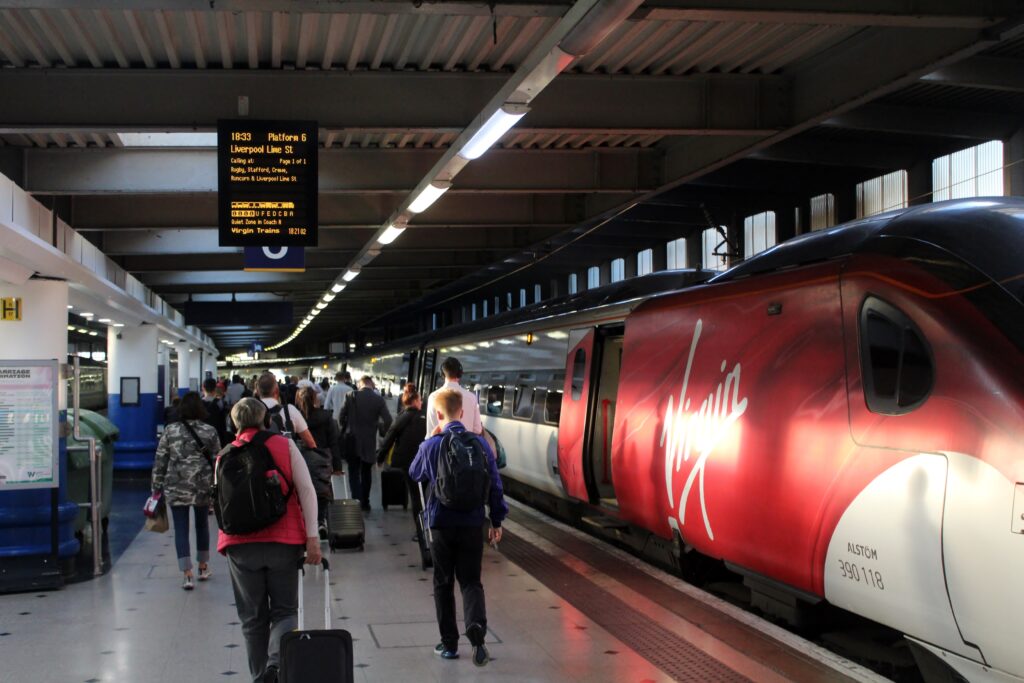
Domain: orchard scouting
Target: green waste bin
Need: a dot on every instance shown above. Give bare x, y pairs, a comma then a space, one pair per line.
105, 432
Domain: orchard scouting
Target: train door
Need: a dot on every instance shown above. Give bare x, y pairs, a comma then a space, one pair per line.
425, 382
572, 423
608, 364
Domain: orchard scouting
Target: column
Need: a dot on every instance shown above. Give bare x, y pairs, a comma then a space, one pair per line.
163, 380
132, 402
37, 542
1013, 176
188, 367
209, 365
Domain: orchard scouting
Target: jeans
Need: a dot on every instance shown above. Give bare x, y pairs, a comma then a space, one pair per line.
265, 578
180, 515
458, 553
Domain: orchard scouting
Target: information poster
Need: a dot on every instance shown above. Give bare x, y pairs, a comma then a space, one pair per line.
28, 424
267, 183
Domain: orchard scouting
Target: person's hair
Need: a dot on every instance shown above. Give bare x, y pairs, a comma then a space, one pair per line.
449, 402
237, 379
248, 412
210, 384
176, 401
451, 367
305, 400
265, 385
339, 376
366, 381
346, 376
409, 394
192, 407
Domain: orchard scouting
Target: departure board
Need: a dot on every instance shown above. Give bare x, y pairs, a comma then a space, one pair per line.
267, 183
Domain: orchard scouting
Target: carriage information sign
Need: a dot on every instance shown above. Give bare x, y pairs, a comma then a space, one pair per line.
267, 183
28, 424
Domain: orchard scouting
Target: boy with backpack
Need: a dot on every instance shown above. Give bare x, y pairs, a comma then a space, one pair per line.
462, 475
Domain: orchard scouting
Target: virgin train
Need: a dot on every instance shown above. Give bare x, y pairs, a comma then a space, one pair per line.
838, 419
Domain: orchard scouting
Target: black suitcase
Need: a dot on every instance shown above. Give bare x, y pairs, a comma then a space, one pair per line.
393, 490
423, 534
345, 525
317, 656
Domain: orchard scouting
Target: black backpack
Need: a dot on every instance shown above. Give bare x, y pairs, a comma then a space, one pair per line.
463, 475
279, 420
247, 492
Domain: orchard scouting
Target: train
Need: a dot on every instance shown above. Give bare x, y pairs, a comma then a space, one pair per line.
838, 419
93, 385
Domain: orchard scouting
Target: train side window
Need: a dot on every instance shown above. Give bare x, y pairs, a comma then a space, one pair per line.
552, 406
898, 368
522, 403
579, 368
495, 399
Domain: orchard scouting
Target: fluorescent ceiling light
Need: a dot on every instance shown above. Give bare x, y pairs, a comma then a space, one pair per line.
104, 320
122, 325
86, 315
337, 288
430, 194
321, 305
492, 131
187, 139
83, 330
71, 327
315, 311
70, 307
93, 334
329, 298
350, 275
351, 346
390, 235
557, 334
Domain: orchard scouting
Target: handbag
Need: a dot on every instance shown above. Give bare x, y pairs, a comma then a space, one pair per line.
157, 522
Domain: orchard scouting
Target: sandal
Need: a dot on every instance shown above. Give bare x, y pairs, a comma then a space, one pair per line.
204, 572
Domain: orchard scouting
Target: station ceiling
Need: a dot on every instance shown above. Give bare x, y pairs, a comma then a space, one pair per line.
685, 112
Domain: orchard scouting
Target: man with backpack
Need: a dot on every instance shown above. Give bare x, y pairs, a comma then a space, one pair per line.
268, 392
216, 410
462, 477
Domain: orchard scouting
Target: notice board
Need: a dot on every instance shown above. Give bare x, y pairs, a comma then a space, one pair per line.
28, 424
267, 183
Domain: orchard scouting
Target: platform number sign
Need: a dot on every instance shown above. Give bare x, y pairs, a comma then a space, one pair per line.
10, 309
267, 183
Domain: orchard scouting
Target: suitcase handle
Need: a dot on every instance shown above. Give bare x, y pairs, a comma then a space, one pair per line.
327, 593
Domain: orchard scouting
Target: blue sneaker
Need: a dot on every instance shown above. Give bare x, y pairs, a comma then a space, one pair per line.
444, 653
476, 634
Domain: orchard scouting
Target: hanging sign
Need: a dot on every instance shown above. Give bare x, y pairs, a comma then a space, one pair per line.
28, 424
275, 259
267, 183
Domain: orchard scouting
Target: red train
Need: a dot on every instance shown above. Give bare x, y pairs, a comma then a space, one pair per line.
840, 418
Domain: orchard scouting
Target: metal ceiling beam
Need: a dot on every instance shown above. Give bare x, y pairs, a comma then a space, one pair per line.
862, 153
122, 99
907, 120
414, 265
983, 72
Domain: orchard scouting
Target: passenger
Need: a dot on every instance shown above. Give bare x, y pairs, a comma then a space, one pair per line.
325, 385
183, 471
268, 392
263, 564
405, 435
171, 411
363, 415
336, 394
235, 391
452, 369
457, 543
216, 410
324, 460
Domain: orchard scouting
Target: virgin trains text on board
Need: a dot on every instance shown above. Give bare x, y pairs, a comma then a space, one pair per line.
841, 416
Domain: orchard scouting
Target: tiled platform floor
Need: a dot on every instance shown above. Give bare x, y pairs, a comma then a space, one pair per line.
136, 624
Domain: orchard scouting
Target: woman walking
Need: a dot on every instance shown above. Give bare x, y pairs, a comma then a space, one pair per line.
326, 458
405, 435
183, 472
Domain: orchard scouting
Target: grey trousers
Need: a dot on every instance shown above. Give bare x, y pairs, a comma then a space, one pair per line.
264, 577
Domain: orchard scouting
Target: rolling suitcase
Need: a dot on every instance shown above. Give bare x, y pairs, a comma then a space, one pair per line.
392, 488
423, 534
345, 526
317, 656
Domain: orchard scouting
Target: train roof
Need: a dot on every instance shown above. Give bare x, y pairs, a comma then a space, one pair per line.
986, 232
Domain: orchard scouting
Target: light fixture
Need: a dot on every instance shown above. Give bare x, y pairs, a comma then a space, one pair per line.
329, 297
492, 131
86, 315
428, 195
70, 307
315, 311
71, 327
103, 320
351, 346
350, 275
122, 325
321, 305
558, 334
83, 330
337, 287
93, 333
390, 234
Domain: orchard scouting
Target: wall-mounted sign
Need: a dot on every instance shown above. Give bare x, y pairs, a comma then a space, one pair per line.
28, 424
10, 308
275, 259
267, 183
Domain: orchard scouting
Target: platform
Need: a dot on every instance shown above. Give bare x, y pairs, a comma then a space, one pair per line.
561, 605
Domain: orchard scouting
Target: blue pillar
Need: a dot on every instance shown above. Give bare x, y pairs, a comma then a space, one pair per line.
132, 395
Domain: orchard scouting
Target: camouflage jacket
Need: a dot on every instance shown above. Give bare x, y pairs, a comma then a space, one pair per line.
181, 470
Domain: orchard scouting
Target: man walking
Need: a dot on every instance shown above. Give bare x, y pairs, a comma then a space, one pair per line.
462, 476
363, 416
452, 369
268, 392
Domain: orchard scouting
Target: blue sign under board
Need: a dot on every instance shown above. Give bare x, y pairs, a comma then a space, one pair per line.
280, 259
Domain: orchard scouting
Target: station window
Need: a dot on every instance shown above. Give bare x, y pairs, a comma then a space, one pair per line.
573, 283
758, 233
618, 270
522, 297
522, 402
483, 307
645, 262
593, 277
823, 211
714, 248
579, 371
898, 370
552, 406
495, 399
675, 252
884, 193
973, 172
538, 294
473, 312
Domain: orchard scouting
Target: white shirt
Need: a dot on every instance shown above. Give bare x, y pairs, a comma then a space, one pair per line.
336, 399
298, 422
470, 409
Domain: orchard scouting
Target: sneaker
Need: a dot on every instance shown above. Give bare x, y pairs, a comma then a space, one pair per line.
323, 531
189, 583
205, 573
480, 655
444, 653
271, 674
476, 634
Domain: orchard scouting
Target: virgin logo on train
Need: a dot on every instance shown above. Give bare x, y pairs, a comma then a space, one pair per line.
696, 433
